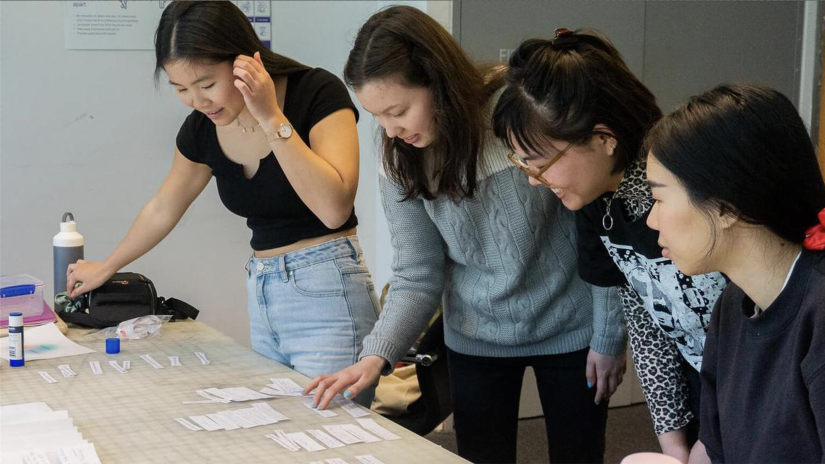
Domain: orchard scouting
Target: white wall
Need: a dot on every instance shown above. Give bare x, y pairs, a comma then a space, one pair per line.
87, 132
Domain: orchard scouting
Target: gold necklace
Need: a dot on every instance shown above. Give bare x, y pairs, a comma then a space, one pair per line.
245, 129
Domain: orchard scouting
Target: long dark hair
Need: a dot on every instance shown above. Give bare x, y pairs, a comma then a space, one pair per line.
403, 42
743, 150
562, 88
212, 32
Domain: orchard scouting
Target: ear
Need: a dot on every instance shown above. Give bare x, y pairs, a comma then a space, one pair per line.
606, 138
726, 217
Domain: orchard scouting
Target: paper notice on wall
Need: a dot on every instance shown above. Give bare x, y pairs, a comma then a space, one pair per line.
111, 25
131, 24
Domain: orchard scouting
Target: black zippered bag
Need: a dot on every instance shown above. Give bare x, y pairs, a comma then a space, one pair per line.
126, 295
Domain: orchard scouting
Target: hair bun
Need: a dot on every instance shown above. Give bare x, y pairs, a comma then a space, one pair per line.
565, 38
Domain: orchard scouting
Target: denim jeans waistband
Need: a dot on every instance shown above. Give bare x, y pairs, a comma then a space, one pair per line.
336, 248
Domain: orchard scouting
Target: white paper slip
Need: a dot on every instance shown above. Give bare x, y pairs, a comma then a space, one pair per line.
303, 440
202, 356
211, 397
83, 453
67, 456
368, 459
351, 408
283, 442
336, 461
373, 427
151, 361
360, 433
223, 421
86, 453
237, 418
341, 434
273, 392
127, 364
326, 439
269, 411
66, 370
218, 393
237, 394
257, 417
174, 361
208, 424
320, 412
36, 456
95, 365
286, 385
47, 377
187, 424
246, 394
202, 402
117, 367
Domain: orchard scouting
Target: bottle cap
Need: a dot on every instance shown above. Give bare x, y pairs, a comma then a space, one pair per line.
15, 319
68, 226
112, 345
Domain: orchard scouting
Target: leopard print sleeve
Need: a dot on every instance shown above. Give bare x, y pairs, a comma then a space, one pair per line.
658, 366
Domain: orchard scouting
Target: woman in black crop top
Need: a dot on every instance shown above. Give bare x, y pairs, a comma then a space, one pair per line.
738, 190
281, 141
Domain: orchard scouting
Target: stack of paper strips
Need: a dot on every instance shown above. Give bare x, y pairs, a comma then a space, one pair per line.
259, 414
228, 395
32, 432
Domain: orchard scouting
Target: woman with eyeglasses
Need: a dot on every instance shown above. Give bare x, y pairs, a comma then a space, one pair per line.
738, 190
466, 225
575, 117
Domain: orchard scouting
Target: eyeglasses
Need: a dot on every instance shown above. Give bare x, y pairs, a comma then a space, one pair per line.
536, 173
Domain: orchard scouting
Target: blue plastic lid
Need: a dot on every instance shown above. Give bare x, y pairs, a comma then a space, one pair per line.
112, 345
17, 290
15, 314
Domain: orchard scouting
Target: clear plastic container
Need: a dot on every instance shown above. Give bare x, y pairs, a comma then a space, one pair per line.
20, 293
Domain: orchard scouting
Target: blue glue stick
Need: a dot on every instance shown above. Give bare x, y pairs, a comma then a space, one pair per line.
16, 357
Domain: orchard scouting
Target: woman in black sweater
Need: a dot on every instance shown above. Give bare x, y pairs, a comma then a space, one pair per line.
738, 190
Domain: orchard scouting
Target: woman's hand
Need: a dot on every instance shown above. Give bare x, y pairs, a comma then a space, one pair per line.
355, 379
91, 274
257, 87
605, 372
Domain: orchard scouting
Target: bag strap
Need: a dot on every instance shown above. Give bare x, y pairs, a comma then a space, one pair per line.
80, 318
178, 309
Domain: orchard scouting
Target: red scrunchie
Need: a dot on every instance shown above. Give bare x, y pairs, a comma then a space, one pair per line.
815, 236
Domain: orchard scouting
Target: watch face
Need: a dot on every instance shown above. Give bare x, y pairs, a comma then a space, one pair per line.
285, 130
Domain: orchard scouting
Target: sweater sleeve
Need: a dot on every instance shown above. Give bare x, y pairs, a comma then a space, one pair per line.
658, 366
710, 432
417, 282
609, 333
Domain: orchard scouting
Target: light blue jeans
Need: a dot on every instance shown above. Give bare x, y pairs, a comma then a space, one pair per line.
310, 309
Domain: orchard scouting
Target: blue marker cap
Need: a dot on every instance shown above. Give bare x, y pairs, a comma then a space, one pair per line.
112, 345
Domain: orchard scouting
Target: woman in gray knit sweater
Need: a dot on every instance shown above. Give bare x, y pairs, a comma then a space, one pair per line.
466, 225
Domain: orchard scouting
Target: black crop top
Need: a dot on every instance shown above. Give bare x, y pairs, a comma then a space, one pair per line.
272, 208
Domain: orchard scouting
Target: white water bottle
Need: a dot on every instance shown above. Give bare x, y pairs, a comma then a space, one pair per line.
68, 248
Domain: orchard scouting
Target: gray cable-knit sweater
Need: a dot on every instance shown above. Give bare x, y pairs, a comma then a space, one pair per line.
505, 263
